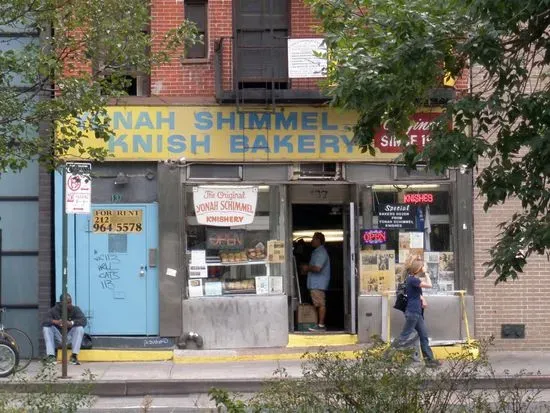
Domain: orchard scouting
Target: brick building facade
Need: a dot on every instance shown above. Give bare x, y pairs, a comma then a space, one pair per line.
229, 115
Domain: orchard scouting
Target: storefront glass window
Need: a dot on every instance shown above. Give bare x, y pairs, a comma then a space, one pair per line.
408, 220
238, 259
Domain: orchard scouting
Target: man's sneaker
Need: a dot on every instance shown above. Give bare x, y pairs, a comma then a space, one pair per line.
74, 360
433, 364
318, 328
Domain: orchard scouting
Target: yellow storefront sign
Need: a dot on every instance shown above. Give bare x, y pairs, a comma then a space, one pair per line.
117, 221
221, 133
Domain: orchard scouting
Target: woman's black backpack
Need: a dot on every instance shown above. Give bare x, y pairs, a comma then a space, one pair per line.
401, 297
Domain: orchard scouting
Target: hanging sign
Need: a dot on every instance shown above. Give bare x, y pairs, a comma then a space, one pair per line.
396, 216
373, 237
419, 198
225, 206
78, 188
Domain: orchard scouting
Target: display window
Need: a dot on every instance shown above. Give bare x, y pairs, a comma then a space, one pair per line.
234, 240
408, 220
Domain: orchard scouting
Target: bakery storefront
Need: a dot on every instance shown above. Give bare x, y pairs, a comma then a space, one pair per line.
229, 201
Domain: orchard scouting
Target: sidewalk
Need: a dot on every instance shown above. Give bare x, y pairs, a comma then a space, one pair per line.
176, 377
176, 386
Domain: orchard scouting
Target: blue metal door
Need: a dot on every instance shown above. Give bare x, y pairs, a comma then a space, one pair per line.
117, 253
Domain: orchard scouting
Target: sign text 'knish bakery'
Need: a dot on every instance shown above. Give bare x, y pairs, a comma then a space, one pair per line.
219, 133
225, 206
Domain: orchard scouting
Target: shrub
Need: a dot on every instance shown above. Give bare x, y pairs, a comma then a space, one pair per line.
378, 379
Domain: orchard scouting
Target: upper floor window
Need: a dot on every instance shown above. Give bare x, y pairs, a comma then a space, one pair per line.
196, 11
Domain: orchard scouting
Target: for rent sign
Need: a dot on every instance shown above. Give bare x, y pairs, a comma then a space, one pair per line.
225, 206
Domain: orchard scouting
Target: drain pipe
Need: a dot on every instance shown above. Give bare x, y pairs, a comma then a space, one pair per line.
190, 336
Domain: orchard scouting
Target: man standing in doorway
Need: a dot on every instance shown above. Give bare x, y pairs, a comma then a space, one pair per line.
318, 278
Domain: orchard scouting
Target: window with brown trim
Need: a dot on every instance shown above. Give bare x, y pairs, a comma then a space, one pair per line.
196, 11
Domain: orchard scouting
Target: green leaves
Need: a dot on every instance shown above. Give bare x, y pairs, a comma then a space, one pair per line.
84, 56
386, 55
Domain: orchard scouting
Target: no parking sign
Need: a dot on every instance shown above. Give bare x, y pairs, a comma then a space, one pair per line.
78, 188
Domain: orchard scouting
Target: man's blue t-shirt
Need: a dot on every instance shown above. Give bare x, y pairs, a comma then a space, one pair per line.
414, 292
319, 280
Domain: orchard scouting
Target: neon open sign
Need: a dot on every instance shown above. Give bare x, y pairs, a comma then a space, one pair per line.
373, 236
419, 198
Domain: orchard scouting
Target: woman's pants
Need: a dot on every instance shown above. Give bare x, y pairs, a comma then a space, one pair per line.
415, 321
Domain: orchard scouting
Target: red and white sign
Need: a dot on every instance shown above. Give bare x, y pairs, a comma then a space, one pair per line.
418, 198
78, 188
418, 133
225, 206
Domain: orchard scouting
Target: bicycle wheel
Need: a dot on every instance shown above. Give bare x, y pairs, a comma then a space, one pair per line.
9, 357
24, 346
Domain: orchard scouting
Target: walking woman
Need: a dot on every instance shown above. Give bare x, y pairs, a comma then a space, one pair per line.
414, 319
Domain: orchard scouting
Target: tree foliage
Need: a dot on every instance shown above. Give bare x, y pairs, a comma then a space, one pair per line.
62, 61
387, 55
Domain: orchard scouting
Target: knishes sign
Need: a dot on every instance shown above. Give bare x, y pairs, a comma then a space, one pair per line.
418, 133
225, 206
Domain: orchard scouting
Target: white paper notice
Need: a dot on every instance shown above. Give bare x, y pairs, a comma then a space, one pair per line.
198, 271
276, 285
262, 285
195, 288
198, 257
416, 240
213, 288
171, 272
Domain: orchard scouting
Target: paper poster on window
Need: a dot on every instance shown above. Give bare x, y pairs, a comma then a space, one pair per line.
446, 261
275, 251
416, 239
377, 271
195, 288
404, 254
262, 285
212, 288
440, 266
225, 206
276, 285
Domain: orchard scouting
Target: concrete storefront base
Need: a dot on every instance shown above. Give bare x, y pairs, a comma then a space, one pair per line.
238, 321
443, 318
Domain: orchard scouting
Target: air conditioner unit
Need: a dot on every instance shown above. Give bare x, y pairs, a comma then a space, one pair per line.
316, 171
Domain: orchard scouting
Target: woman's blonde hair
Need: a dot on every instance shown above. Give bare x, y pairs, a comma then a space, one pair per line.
413, 264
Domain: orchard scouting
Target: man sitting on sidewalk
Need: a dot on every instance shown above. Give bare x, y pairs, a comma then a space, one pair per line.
52, 324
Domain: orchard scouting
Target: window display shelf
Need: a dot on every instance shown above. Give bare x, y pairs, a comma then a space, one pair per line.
231, 264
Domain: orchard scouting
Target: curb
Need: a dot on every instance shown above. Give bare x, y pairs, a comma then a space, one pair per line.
126, 388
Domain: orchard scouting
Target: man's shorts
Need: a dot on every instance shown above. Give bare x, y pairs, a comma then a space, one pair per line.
318, 298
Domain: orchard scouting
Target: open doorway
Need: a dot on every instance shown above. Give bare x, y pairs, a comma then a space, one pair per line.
326, 218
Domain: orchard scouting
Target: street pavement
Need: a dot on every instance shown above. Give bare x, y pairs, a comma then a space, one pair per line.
169, 386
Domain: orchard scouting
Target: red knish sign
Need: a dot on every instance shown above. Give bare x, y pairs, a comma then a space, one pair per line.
418, 198
418, 133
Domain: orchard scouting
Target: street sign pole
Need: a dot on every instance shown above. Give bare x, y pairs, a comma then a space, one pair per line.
64, 282
77, 180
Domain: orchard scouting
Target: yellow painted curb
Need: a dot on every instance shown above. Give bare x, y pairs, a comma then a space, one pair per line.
348, 354
122, 355
321, 340
455, 351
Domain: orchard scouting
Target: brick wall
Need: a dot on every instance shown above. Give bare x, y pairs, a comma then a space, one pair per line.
195, 78
515, 302
179, 77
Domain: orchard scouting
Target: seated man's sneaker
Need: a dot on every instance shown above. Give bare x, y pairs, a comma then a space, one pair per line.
74, 360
